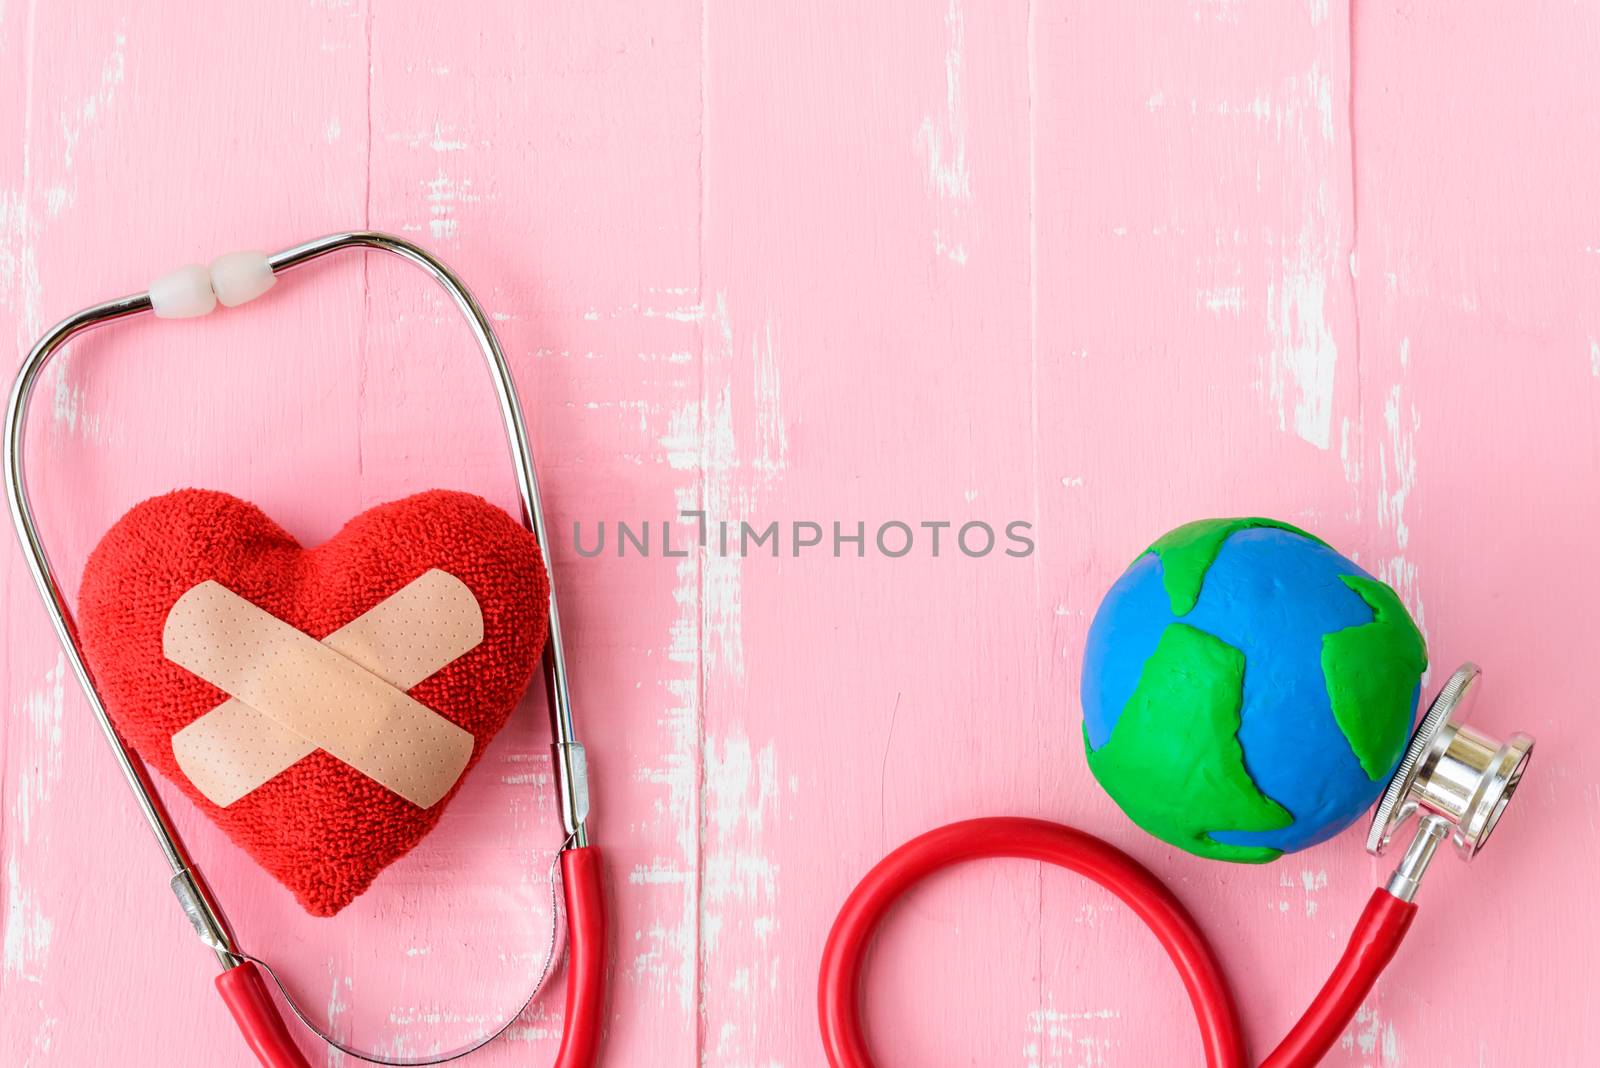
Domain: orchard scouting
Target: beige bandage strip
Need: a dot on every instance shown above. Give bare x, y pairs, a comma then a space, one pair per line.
233, 749
293, 695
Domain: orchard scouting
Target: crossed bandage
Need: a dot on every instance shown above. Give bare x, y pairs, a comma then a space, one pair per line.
291, 695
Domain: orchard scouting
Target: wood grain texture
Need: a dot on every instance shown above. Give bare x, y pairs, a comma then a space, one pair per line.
1100, 267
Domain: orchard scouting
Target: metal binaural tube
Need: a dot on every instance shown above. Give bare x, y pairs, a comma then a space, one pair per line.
201, 906
195, 897
1419, 854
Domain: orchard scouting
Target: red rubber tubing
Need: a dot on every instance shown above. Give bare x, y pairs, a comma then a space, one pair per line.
584, 885
1373, 944
1377, 935
245, 992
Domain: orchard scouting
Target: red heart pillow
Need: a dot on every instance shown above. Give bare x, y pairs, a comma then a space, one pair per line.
322, 827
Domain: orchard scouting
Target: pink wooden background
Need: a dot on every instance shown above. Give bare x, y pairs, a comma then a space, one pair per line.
1100, 266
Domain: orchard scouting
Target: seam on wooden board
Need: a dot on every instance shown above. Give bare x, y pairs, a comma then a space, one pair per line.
1353, 268
697, 1004
365, 350
1032, 58
883, 777
1353, 263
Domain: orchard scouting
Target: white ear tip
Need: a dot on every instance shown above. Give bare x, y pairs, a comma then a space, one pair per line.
183, 294
241, 276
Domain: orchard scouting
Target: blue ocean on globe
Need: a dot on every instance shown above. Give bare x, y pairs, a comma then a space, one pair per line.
1272, 594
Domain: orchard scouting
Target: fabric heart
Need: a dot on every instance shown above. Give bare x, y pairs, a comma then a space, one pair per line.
322, 827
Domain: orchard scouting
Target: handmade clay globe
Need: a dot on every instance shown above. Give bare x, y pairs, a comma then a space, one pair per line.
1247, 691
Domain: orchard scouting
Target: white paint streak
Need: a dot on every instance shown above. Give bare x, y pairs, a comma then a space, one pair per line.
1090, 915
664, 959
739, 790
1397, 477
28, 928
943, 142
1398, 474
22, 218
707, 636
722, 576
956, 253
739, 884
679, 312
41, 711
772, 456
1349, 453
1305, 355
722, 610
1312, 883
1301, 366
1221, 299
1369, 1033
67, 408
19, 267
444, 194
78, 118
339, 990
731, 481
681, 441
1057, 1038
434, 140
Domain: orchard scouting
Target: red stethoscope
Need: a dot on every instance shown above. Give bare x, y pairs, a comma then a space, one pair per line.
231, 280
1457, 780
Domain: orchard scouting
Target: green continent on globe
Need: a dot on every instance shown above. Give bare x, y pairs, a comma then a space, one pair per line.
1173, 761
1372, 672
1186, 554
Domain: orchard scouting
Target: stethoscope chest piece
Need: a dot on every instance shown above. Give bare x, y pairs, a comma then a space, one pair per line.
1455, 778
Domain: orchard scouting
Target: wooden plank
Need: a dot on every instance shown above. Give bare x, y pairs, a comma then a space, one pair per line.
1479, 271
1196, 341
143, 148
866, 361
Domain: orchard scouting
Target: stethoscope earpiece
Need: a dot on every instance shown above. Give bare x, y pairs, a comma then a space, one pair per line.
1457, 779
